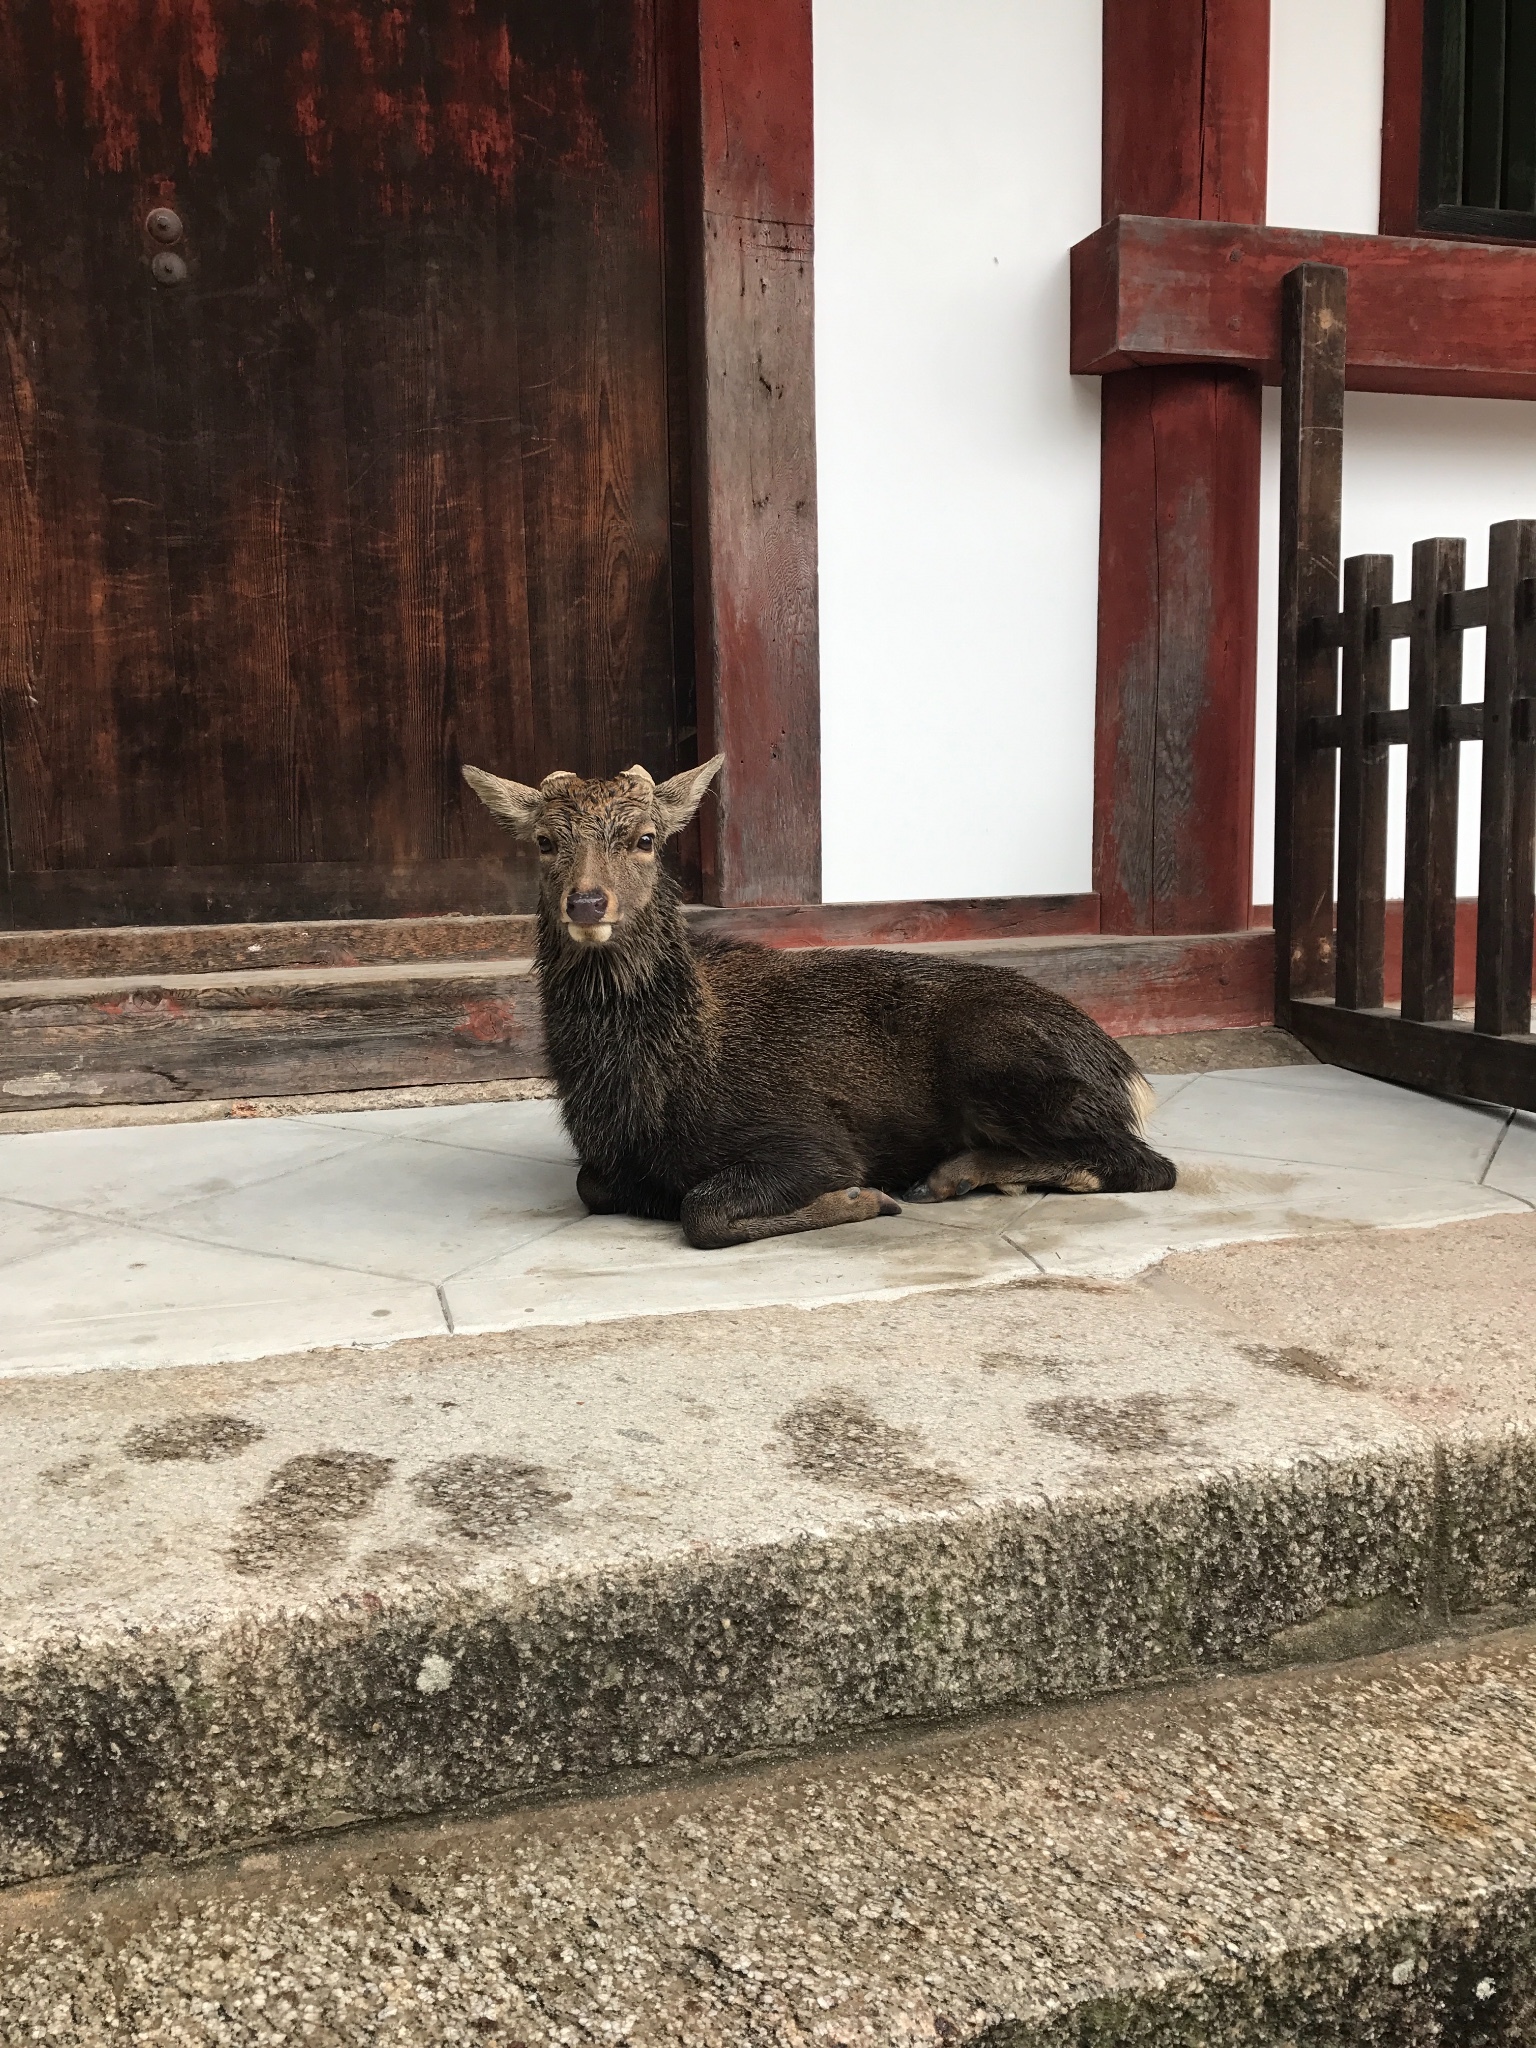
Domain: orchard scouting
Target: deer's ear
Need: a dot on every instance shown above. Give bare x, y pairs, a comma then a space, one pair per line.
679, 798
513, 802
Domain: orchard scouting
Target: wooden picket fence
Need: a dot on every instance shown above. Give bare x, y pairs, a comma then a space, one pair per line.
1334, 736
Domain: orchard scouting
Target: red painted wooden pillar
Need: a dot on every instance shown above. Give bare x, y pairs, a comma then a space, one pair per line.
755, 455
1186, 133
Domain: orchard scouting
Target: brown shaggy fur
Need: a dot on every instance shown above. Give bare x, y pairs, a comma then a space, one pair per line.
751, 1093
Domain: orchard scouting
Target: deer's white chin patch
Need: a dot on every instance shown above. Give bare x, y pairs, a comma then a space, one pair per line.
589, 934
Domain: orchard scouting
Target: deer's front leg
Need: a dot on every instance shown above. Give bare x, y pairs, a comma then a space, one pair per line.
742, 1204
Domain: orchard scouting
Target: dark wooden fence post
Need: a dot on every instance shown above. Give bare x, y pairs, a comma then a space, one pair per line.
1434, 772
1506, 884
1311, 501
1367, 691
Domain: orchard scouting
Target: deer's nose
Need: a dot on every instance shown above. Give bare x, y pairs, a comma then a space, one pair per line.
587, 906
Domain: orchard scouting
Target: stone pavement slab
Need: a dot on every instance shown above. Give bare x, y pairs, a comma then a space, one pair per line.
186, 1243
245, 1599
1339, 1856
1513, 1167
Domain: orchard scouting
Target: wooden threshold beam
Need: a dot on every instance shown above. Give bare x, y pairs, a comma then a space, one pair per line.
1447, 1058
396, 941
248, 1032
1443, 318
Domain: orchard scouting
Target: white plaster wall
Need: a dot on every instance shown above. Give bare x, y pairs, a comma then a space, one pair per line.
1325, 78
957, 160
1412, 466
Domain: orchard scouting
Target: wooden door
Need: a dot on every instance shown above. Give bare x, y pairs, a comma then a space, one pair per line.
361, 474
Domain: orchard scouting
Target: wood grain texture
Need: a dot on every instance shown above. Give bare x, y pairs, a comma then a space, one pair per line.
1306, 681
215, 949
1444, 1058
1402, 113
1186, 110
69, 1046
1507, 813
1366, 690
902, 924
1435, 317
383, 486
49, 898
173, 1038
1392, 985
754, 452
1178, 606
1433, 784
235, 948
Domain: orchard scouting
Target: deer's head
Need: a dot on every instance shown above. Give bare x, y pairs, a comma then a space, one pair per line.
598, 842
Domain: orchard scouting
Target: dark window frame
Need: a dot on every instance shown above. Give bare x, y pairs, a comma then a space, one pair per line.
1475, 34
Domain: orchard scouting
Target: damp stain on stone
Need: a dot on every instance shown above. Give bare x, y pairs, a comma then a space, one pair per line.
200, 1439
299, 1520
1135, 1425
1026, 1364
1300, 1363
489, 1499
81, 1474
836, 1438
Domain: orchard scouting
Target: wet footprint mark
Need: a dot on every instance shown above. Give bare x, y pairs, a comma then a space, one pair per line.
488, 1499
1134, 1426
202, 1439
1300, 1363
1027, 1364
300, 1519
837, 1438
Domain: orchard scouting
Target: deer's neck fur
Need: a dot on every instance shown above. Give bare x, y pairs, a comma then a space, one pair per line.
626, 1029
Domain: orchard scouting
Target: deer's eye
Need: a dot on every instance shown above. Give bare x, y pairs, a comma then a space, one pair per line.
545, 843
646, 843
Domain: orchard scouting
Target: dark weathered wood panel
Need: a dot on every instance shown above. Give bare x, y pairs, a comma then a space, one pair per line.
1425, 316
1146, 986
383, 485
1311, 512
755, 453
66, 1046
1363, 765
1506, 889
1466, 946
1433, 784
1446, 1058
307, 1031
93, 954
216, 949
87, 897
1185, 128
1177, 649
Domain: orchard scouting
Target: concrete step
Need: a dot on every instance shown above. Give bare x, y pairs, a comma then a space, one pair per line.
244, 1601
1324, 1857
191, 1013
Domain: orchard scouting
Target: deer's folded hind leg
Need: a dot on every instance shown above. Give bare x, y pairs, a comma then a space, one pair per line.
595, 1195
735, 1208
1008, 1173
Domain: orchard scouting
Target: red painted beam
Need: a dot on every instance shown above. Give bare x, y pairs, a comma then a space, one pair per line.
1402, 117
1434, 317
755, 454
1186, 112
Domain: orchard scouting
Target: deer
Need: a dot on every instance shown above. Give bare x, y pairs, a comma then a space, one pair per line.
751, 1092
